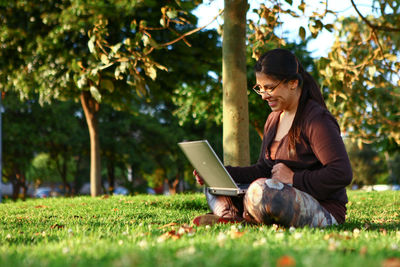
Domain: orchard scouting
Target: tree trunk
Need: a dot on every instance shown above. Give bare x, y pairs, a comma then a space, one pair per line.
16, 188
76, 182
67, 186
91, 108
173, 187
62, 170
111, 177
390, 167
235, 103
19, 182
23, 186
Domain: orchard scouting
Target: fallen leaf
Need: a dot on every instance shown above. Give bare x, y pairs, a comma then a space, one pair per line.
167, 225
383, 231
40, 207
391, 262
105, 196
236, 234
285, 261
186, 229
168, 235
57, 226
363, 250
345, 236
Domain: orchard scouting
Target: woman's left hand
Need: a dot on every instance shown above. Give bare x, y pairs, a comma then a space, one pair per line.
282, 173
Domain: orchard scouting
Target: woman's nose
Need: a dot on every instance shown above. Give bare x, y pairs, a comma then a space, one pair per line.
265, 96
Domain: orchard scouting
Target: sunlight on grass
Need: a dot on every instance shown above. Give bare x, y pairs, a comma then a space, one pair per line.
156, 230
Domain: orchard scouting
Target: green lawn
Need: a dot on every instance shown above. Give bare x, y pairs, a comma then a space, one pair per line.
156, 230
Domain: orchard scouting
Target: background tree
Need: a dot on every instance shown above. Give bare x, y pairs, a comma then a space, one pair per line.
19, 142
368, 166
359, 75
89, 50
63, 138
42, 143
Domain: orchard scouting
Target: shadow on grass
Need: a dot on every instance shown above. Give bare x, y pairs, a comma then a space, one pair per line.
368, 226
181, 204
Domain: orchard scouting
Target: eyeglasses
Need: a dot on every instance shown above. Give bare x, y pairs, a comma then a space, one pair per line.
262, 90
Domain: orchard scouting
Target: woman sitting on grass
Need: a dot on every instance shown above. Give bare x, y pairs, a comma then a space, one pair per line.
303, 168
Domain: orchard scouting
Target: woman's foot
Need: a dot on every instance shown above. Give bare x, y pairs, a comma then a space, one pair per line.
211, 219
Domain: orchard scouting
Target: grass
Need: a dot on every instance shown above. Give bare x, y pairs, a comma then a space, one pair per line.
156, 231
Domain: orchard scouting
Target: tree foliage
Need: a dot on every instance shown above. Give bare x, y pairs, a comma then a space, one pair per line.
368, 166
361, 74
107, 51
94, 51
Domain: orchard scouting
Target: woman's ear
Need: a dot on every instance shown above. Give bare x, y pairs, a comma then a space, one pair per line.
293, 84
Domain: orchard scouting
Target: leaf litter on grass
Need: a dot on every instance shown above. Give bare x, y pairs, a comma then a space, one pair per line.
359, 239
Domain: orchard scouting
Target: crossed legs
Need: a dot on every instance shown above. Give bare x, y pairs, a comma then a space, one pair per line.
269, 201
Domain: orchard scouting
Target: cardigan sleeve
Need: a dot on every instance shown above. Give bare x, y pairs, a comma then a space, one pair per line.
323, 134
246, 175
261, 169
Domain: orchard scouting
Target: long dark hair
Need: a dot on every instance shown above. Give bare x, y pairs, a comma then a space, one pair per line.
281, 64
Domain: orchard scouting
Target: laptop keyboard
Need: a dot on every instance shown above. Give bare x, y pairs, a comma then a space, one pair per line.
243, 186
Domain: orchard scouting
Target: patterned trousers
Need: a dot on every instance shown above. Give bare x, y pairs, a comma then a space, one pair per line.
269, 201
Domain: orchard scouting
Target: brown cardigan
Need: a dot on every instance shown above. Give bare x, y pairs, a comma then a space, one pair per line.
321, 166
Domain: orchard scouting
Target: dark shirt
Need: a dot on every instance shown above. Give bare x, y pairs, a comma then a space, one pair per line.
321, 165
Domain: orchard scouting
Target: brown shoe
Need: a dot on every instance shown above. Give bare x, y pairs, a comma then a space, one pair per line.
211, 219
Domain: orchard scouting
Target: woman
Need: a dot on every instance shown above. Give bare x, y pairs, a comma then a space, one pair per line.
303, 167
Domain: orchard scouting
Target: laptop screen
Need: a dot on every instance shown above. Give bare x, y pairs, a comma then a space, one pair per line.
206, 162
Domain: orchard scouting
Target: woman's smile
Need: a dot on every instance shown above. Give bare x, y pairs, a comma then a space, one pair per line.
272, 102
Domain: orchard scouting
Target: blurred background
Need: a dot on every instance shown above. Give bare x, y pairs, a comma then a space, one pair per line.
61, 59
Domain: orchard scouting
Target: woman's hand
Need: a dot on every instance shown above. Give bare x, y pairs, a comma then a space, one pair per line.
282, 173
199, 179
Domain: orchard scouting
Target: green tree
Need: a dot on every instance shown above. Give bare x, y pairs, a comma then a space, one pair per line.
63, 138
45, 169
361, 74
88, 50
368, 165
20, 139
42, 143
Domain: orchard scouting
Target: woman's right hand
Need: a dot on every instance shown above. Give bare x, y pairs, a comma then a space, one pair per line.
199, 179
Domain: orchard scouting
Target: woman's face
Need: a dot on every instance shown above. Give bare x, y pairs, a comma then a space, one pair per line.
284, 97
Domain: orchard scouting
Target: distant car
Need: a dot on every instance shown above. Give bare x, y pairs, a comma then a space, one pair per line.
43, 192
121, 191
396, 187
151, 191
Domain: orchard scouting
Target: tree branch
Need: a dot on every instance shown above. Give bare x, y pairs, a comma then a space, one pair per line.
375, 27
192, 31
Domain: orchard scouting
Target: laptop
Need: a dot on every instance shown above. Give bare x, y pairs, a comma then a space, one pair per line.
211, 169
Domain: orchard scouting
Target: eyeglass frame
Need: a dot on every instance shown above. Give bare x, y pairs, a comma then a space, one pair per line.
269, 90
